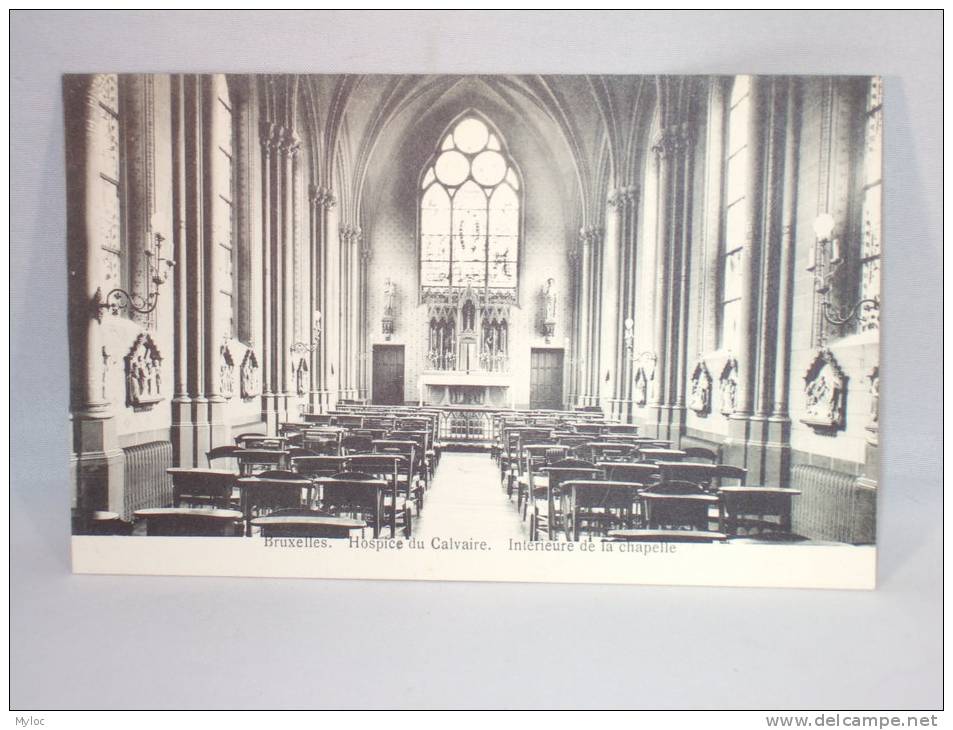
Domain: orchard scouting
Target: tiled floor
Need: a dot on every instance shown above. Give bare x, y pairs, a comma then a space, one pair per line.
466, 500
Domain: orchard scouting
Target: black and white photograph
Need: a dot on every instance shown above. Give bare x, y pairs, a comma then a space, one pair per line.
488, 313
476, 359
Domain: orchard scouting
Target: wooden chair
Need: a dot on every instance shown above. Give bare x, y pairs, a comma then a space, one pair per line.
597, 506
757, 510
399, 498
677, 505
187, 522
280, 489
655, 454
546, 515
253, 461
354, 444
226, 454
321, 419
319, 466
356, 494
699, 454
735, 474
261, 441
306, 523
208, 487
408, 470
348, 421
704, 475
610, 451
534, 458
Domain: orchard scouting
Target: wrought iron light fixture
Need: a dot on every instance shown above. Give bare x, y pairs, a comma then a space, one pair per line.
119, 300
826, 258
300, 348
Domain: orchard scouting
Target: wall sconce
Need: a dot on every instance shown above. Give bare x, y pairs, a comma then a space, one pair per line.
300, 348
825, 259
119, 299
628, 339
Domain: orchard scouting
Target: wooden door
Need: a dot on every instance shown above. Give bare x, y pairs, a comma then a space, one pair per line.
388, 375
546, 378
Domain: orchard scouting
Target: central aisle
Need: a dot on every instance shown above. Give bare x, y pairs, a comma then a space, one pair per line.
466, 500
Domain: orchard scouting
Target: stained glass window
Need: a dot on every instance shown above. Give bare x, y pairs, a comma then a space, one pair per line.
871, 203
106, 89
469, 212
736, 211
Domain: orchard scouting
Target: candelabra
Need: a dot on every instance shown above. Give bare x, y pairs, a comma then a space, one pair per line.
826, 258
118, 299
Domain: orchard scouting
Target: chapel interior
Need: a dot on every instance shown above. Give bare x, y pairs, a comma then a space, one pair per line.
529, 307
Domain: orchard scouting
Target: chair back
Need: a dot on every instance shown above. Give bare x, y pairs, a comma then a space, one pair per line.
262, 495
380, 466
699, 454
348, 421
252, 461
733, 473
354, 444
260, 441
596, 493
610, 451
202, 486
354, 493
625, 471
296, 452
323, 419
226, 453
704, 475
319, 466
655, 454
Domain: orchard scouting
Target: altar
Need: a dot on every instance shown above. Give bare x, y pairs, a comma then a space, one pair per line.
452, 387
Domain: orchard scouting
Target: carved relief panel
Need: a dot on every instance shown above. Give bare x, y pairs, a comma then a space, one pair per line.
143, 373
250, 376
226, 373
728, 387
825, 393
700, 396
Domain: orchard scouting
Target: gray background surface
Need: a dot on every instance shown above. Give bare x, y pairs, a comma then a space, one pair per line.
138, 642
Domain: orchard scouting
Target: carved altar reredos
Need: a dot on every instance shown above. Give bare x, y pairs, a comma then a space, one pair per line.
250, 376
825, 393
467, 339
699, 399
143, 373
728, 387
226, 372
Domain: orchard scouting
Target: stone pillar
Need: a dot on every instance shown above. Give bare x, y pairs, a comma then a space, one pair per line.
657, 424
215, 129
269, 414
609, 283
288, 147
779, 422
183, 441
739, 427
680, 281
97, 460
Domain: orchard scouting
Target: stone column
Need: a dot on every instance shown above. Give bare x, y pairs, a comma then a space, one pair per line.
609, 284
269, 414
213, 184
779, 422
739, 427
657, 401
288, 147
97, 460
183, 444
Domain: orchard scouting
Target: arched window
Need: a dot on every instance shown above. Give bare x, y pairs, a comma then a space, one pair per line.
224, 201
470, 212
871, 201
105, 89
735, 211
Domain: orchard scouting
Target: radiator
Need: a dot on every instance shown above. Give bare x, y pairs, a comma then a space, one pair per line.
146, 482
832, 506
